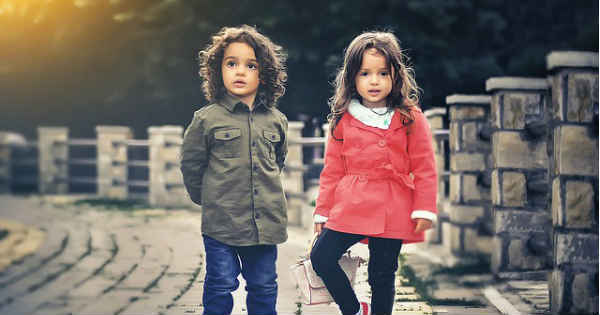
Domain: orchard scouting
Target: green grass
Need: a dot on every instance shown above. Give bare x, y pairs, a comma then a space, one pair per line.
481, 266
113, 204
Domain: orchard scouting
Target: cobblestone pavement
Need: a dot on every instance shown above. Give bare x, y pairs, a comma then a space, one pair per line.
149, 262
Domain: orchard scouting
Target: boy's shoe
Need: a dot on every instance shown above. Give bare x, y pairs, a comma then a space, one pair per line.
365, 308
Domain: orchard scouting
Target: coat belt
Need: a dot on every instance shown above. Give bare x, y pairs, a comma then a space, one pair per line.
401, 178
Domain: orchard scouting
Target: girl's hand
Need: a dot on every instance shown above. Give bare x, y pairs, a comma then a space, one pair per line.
319, 227
422, 225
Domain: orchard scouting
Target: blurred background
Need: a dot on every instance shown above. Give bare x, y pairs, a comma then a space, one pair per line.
82, 63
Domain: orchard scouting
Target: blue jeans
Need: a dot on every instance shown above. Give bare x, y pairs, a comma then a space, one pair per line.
222, 269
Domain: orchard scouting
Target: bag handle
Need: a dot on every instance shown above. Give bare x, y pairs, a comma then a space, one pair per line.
312, 243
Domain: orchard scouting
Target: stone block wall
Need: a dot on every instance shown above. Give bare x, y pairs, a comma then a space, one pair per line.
574, 182
519, 182
437, 122
469, 228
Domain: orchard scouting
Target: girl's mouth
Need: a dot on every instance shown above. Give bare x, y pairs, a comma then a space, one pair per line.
239, 83
373, 92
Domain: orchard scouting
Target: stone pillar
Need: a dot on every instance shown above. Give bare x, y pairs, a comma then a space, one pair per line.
521, 247
5, 164
574, 177
52, 160
112, 161
437, 118
166, 181
469, 228
292, 177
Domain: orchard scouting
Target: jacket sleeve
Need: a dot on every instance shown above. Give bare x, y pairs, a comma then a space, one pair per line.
332, 173
422, 166
194, 158
283, 148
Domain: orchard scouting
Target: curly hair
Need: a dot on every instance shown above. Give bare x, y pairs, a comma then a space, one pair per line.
405, 91
271, 63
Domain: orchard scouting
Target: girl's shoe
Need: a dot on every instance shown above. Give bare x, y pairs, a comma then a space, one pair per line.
365, 308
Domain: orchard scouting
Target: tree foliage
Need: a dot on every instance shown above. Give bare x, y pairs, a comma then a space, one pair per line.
81, 63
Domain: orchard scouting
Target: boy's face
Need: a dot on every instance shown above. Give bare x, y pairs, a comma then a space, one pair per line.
240, 72
373, 80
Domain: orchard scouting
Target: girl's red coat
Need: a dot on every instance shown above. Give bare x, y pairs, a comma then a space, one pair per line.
374, 179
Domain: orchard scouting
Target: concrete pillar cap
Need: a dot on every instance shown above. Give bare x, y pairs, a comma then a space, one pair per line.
571, 59
52, 130
515, 83
168, 129
468, 99
435, 111
296, 124
113, 129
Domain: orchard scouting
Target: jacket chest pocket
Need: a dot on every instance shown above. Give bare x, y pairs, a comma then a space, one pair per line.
272, 139
228, 143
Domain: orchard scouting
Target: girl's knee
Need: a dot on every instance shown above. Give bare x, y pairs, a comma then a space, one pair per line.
319, 261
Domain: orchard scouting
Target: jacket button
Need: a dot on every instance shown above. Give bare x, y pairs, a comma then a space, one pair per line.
257, 215
381, 143
255, 168
256, 191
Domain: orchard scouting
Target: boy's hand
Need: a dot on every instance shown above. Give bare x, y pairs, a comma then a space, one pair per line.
422, 225
319, 227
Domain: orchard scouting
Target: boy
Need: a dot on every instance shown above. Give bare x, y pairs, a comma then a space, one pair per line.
232, 155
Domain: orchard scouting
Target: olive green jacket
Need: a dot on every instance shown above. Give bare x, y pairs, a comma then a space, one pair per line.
231, 162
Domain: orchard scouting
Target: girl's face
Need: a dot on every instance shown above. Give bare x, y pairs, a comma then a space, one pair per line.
374, 80
240, 72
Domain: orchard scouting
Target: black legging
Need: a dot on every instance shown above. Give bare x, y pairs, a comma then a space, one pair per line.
383, 263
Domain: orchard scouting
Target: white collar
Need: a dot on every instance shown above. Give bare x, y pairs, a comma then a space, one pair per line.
380, 117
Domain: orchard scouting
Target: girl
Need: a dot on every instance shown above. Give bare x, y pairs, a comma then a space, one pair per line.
379, 180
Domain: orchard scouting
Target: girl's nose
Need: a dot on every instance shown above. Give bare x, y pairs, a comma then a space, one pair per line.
373, 79
240, 71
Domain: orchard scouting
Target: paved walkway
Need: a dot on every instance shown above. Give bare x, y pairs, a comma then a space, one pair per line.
82, 260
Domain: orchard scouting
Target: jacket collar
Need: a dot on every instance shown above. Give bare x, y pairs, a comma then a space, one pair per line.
231, 102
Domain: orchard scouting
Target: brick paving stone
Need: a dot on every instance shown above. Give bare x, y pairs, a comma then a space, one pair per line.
48, 249
74, 250
151, 262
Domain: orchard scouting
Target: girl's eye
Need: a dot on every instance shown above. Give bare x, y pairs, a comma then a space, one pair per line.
364, 74
384, 73
253, 66
230, 64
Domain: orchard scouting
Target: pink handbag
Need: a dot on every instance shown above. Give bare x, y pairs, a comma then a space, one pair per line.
311, 287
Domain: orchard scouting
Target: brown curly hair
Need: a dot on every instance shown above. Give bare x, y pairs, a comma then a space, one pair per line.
271, 63
405, 91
